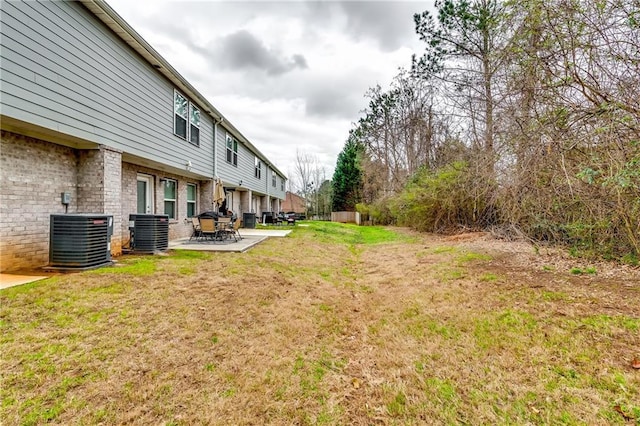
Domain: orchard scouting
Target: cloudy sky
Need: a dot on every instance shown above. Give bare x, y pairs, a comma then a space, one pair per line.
290, 74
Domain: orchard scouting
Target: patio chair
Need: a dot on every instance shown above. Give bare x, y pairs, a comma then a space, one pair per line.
234, 231
223, 227
207, 227
197, 230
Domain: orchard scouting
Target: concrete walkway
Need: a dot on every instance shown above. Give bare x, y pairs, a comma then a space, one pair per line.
269, 232
10, 280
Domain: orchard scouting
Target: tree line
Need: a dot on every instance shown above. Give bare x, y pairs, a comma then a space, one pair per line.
519, 117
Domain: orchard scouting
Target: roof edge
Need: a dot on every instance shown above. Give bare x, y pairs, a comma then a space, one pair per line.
107, 15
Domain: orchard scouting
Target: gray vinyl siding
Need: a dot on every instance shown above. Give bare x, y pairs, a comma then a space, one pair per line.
226, 171
282, 193
246, 163
276, 192
254, 183
245, 169
62, 69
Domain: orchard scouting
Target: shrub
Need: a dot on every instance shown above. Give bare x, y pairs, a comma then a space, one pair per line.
445, 199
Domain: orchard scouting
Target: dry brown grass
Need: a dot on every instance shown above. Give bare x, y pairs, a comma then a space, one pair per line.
319, 329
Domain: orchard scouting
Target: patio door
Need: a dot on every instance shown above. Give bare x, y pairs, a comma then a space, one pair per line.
229, 202
144, 194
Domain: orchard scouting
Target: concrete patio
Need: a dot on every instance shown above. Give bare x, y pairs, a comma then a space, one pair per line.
250, 238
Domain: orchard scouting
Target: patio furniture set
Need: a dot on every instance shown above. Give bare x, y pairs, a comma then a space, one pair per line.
279, 219
220, 229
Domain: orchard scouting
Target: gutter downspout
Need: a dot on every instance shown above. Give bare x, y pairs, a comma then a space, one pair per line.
215, 145
266, 181
213, 153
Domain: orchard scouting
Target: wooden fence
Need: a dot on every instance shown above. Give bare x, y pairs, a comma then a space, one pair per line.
346, 217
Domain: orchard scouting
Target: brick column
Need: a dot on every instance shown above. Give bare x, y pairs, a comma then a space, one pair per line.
100, 187
113, 194
206, 196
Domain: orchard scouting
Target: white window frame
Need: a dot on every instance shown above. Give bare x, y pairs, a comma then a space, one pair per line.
194, 112
193, 202
174, 214
191, 113
185, 117
229, 201
258, 168
232, 151
281, 184
274, 178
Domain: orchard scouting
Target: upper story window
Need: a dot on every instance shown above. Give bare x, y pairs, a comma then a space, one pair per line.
170, 187
281, 184
194, 129
258, 171
232, 151
183, 112
273, 179
192, 190
180, 109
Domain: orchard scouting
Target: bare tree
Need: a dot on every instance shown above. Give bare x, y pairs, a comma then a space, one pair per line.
400, 131
466, 48
319, 176
304, 167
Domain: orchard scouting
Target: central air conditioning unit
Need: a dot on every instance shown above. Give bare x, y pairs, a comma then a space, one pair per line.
80, 241
149, 232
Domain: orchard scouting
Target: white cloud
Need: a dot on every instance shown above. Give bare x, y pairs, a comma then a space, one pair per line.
289, 75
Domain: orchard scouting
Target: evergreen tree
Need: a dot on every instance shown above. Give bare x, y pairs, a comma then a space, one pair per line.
347, 178
465, 48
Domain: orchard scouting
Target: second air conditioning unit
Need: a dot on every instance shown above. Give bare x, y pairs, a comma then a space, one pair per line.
149, 232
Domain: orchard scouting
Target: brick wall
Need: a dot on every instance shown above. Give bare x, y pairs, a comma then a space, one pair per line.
244, 198
205, 197
90, 172
293, 203
179, 227
33, 173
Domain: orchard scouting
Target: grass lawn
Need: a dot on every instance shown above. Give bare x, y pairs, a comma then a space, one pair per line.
334, 324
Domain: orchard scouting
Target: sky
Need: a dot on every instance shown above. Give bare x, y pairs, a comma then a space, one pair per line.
290, 75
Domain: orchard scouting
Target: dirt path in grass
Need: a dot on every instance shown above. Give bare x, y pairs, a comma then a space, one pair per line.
311, 330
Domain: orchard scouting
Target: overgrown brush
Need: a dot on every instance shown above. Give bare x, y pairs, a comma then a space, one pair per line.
448, 198
588, 200
536, 134
590, 205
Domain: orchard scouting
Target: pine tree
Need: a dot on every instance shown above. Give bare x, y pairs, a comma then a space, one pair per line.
347, 178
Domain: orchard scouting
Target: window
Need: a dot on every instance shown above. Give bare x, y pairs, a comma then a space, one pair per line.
281, 184
184, 111
191, 199
258, 171
170, 198
180, 109
194, 128
232, 151
273, 179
